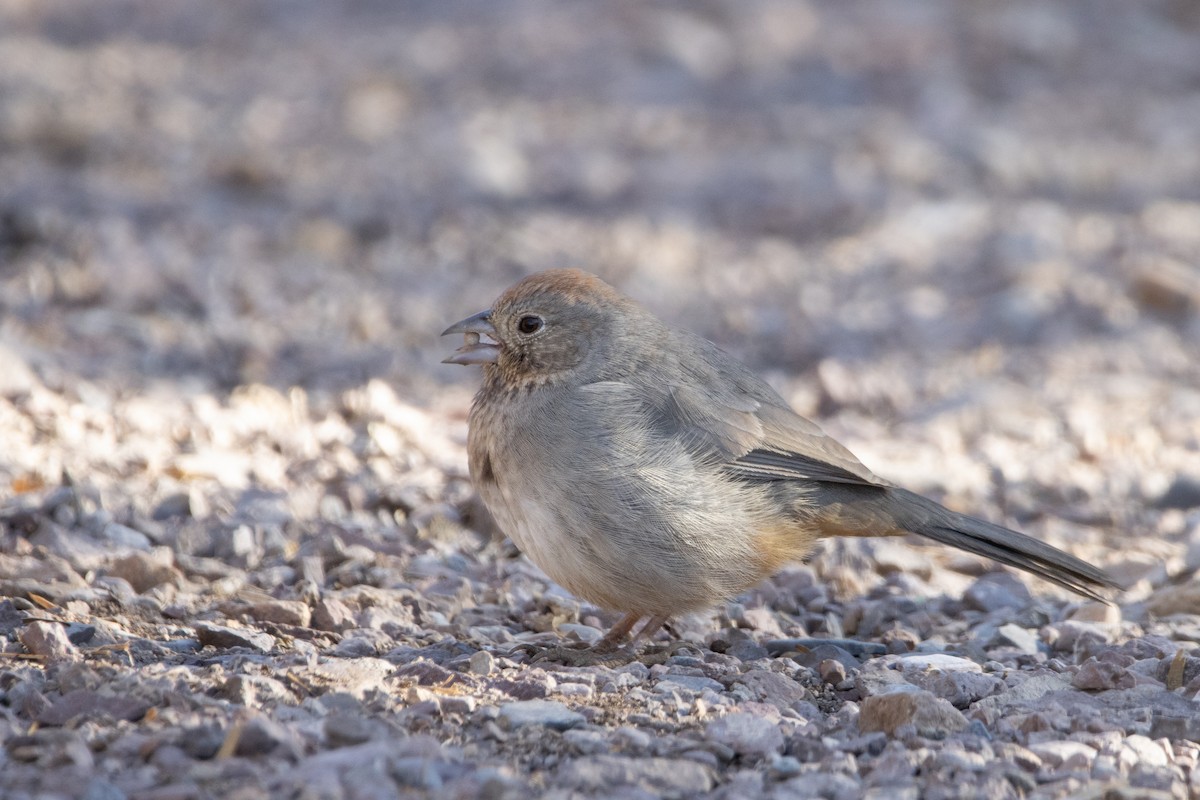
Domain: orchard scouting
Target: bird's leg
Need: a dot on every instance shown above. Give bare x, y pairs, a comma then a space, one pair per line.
608, 649
660, 654
617, 633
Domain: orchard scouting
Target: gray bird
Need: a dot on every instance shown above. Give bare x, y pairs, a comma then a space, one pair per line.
649, 472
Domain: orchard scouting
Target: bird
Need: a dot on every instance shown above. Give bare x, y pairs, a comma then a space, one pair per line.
650, 473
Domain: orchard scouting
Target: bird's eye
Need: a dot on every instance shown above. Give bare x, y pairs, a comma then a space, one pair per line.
530, 324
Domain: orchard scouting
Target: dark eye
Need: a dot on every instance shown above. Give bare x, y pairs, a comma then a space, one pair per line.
530, 324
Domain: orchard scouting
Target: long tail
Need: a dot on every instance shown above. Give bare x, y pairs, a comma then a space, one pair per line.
926, 518
880, 510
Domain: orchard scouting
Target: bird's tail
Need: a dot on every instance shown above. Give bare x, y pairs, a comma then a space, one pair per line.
890, 510
926, 518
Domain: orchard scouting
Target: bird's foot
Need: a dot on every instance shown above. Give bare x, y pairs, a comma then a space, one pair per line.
660, 655
577, 656
595, 655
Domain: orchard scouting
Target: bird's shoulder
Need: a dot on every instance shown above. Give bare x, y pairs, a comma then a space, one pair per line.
721, 410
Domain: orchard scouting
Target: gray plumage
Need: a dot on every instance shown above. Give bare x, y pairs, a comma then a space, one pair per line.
647, 471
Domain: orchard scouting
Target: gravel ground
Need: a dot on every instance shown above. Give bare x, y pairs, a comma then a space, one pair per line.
239, 553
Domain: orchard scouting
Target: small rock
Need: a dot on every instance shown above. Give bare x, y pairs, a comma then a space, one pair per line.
145, 570
1066, 754
1100, 613
532, 685
1148, 751
835, 785
581, 691
87, 703
583, 633
223, 637
961, 689
900, 705
1012, 635
692, 683
262, 735
832, 671
49, 640
426, 672
482, 663
458, 704
255, 690
746, 734
343, 729
1071, 632
1023, 757
201, 741
124, 537
891, 556
1095, 674
355, 678
16, 377
763, 620
1165, 286
588, 742
1184, 493
283, 612
547, 713
942, 662
173, 505
1175, 727
772, 687
613, 776
331, 614
1171, 599
636, 739
997, 590
877, 677
103, 790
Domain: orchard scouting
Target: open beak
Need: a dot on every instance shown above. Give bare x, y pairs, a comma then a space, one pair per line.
474, 350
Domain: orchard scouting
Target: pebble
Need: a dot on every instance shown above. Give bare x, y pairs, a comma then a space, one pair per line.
832, 671
1096, 675
615, 775
547, 713
122, 537
1064, 754
900, 705
482, 663
146, 570
262, 736
962, 689
1184, 492
746, 734
80, 704
997, 590
284, 612
224, 637
1023, 639
1151, 752
331, 614
766, 686
672, 682
49, 640
940, 662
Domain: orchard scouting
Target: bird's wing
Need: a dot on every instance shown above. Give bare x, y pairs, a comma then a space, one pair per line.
762, 441
723, 412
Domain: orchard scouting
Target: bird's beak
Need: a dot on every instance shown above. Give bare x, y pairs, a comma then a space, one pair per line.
474, 350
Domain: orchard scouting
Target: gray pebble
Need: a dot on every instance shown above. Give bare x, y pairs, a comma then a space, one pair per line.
547, 713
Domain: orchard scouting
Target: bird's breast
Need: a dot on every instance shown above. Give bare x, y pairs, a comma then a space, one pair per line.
613, 510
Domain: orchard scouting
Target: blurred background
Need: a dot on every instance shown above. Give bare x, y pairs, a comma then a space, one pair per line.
948, 229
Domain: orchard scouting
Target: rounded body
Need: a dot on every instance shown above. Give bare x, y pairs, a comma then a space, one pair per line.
594, 492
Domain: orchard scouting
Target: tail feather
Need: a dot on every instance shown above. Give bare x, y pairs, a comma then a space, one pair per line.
924, 517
